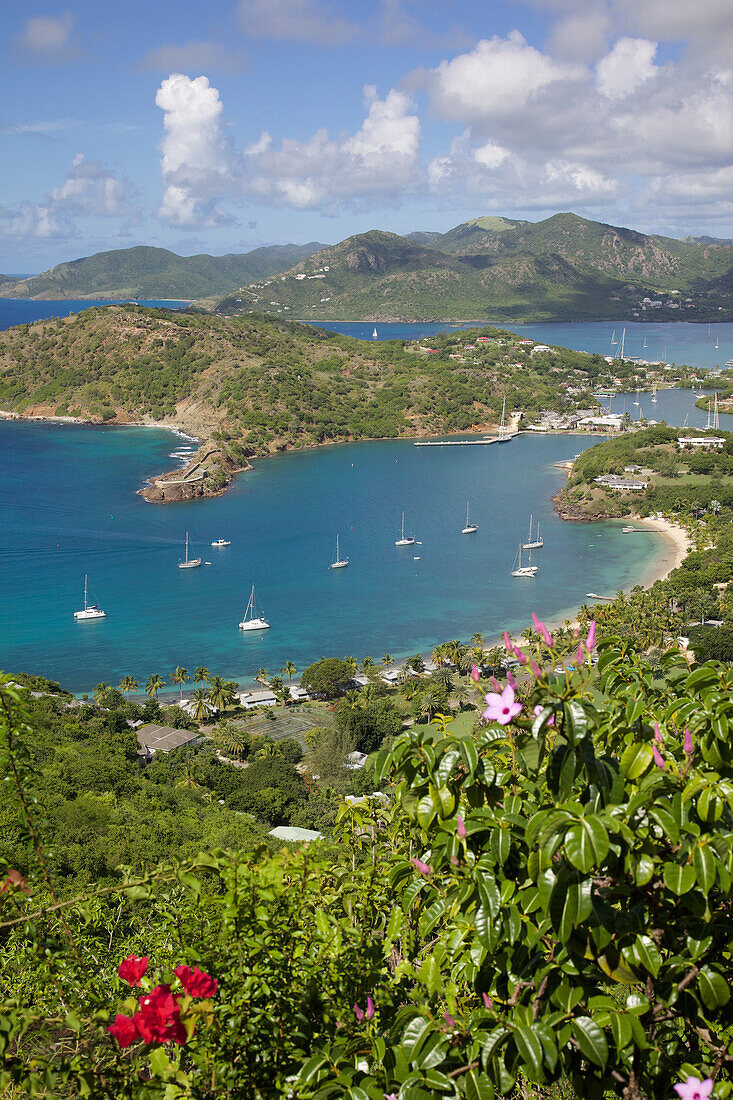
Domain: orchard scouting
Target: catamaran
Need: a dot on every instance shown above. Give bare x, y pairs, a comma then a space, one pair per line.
470, 527
523, 570
221, 542
404, 540
533, 544
189, 563
339, 562
91, 610
251, 620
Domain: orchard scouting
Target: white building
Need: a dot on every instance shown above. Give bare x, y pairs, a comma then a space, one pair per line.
701, 441
263, 697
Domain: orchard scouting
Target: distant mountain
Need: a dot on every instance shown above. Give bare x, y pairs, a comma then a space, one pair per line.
145, 272
498, 269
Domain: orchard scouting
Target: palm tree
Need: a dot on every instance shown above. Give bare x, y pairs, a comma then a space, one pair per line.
387, 659
101, 691
200, 674
220, 693
429, 701
180, 677
153, 685
353, 700
352, 664
128, 684
412, 688
268, 749
276, 683
232, 738
200, 705
187, 779
477, 639
262, 675
366, 663
288, 670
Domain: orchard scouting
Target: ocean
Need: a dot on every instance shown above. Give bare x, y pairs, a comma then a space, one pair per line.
70, 509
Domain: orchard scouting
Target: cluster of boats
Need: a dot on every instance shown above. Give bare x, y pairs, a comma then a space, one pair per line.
532, 543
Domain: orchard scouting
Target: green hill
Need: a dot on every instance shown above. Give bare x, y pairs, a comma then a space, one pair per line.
498, 270
144, 272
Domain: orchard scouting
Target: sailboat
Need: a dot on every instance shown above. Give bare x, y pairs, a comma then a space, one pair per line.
637, 396
338, 562
404, 540
613, 338
251, 620
533, 544
189, 563
523, 570
645, 343
503, 436
91, 611
717, 344
470, 527
622, 342
375, 335
654, 393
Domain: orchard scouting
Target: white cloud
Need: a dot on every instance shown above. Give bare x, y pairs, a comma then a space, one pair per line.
194, 55
629, 64
46, 38
490, 155
197, 157
297, 20
581, 35
498, 78
89, 190
200, 167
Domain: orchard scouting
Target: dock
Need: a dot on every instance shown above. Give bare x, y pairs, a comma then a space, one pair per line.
486, 442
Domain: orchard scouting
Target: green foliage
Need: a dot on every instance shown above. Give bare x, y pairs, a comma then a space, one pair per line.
327, 677
370, 723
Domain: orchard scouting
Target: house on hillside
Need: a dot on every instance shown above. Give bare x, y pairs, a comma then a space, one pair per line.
262, 697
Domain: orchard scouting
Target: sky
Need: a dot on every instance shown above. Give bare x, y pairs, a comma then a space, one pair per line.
222, 126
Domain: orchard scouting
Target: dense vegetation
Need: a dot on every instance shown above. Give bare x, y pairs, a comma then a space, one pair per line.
542, 899
562, 268
258, 384
145, 272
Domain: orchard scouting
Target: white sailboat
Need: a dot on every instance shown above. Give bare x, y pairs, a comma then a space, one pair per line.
470, 527
654, 393
503, 437
717, 344
533, 544
613, 337
645, 343
404, 540
523, 570
91, 611
189, 563
375, 334
338, 562
251, 620
637, 396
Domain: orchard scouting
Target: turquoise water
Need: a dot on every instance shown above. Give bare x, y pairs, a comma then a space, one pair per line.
70, 508
675, 342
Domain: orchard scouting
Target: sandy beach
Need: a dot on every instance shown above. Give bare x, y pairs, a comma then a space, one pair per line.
679, 545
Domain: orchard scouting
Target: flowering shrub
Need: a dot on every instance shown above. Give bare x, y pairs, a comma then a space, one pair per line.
544, 898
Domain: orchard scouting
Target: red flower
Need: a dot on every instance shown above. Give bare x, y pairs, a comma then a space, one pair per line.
159, 1018
197, 983
132, 969
124, 1030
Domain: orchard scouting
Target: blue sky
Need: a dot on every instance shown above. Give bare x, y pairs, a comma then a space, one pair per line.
219, 127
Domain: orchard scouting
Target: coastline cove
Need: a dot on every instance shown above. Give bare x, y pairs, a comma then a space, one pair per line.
72, 509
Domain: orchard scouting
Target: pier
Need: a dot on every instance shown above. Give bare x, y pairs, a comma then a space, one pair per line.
465, 442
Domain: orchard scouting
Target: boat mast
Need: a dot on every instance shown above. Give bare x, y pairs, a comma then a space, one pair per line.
85, 591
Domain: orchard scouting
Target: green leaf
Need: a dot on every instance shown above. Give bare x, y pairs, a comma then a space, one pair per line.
621, 1030
678, 877
159, 1062
590, 1039
425, 811
704, 863
570, 904
478, 1086
714, 989
430, 975
635, 759
530, 1051
647, 954
586, 844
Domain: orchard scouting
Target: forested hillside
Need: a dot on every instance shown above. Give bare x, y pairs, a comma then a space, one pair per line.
257, 384
146, 272
562, 268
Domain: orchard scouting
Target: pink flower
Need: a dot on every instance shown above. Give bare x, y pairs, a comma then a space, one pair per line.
590, 641
449, 1019
132, 969
475, 674
359, 1013
658, 758
369, 1008
688, 746
197, 983
390, 1096
502, 708
124, 1030
579, 655
511, 681
461, 826
657, 733
421, 867
536, 670
520, 655
488, 1001
495, 684
507, 642
538, 710
695, 1089
542, 629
